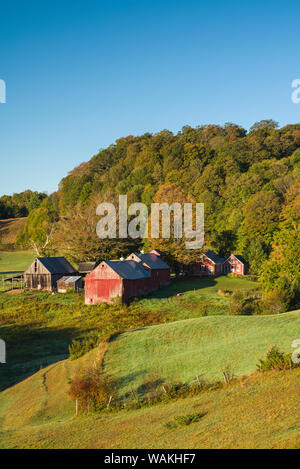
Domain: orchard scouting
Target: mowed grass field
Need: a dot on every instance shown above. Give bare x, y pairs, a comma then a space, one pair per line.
13, 262
195, 296
260, 411
204, 346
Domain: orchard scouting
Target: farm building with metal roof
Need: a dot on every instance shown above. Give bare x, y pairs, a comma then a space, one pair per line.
44, 272
159, 270
117, 279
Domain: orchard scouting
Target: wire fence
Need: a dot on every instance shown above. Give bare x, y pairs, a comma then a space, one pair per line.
12, 284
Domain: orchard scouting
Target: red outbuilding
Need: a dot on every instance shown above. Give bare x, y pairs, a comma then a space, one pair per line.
235, 264
158, 253
111, 279
152, 262
209, 264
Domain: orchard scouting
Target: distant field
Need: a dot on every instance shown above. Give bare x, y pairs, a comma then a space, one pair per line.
196, 296
9, 229
15, 261
202, 346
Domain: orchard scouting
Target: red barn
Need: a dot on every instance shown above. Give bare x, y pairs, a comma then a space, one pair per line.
158, 253
209, 264
159, 270
235, 264
111, 279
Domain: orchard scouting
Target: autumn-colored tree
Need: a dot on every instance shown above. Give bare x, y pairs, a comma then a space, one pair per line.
175, 245
76, 237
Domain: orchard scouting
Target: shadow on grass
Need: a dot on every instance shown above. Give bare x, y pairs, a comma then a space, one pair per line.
27, 351
182, 286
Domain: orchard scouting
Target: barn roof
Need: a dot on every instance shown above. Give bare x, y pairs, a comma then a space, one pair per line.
57, 265
86, 267
127, 269
152, 261
239, 258
214, 257
71, 279
162, 253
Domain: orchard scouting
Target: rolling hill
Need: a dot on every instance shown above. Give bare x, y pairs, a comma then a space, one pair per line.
9, 229
205, 346
258, 411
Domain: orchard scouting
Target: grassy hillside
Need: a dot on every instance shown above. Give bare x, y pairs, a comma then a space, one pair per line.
9, 229
257, 412
204, 346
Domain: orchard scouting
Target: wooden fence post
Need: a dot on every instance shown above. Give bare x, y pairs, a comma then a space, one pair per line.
225, 377
109, 401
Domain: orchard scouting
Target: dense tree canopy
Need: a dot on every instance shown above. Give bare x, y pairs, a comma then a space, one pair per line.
243, 179
20, 205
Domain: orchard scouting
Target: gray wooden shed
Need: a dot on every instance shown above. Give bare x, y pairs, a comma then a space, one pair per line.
44, 272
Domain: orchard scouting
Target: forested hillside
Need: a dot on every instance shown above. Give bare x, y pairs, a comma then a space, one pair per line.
248, 182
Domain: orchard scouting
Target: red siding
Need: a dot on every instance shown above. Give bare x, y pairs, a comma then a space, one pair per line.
103, 284
136, 288
204, 267
160, 277
235, 266
164, 276
102, 290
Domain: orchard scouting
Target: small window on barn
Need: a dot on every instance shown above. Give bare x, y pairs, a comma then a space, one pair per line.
203, 267
35, 266
238, 267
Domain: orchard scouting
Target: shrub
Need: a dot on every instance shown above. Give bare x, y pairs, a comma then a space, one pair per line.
183, 420
274, 303
94, 390
251, 277
242, 303
224, 292
80, 347
276, 360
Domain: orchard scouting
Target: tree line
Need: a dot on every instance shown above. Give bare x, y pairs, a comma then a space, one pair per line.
20, 205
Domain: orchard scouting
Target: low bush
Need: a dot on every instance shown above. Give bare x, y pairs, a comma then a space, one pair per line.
251, 277
80, 347
274, 303
184, 420
244, 303
276, 360
224, 292
251, 302
94, 390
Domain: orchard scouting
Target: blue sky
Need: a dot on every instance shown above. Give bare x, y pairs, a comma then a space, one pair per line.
81, 74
